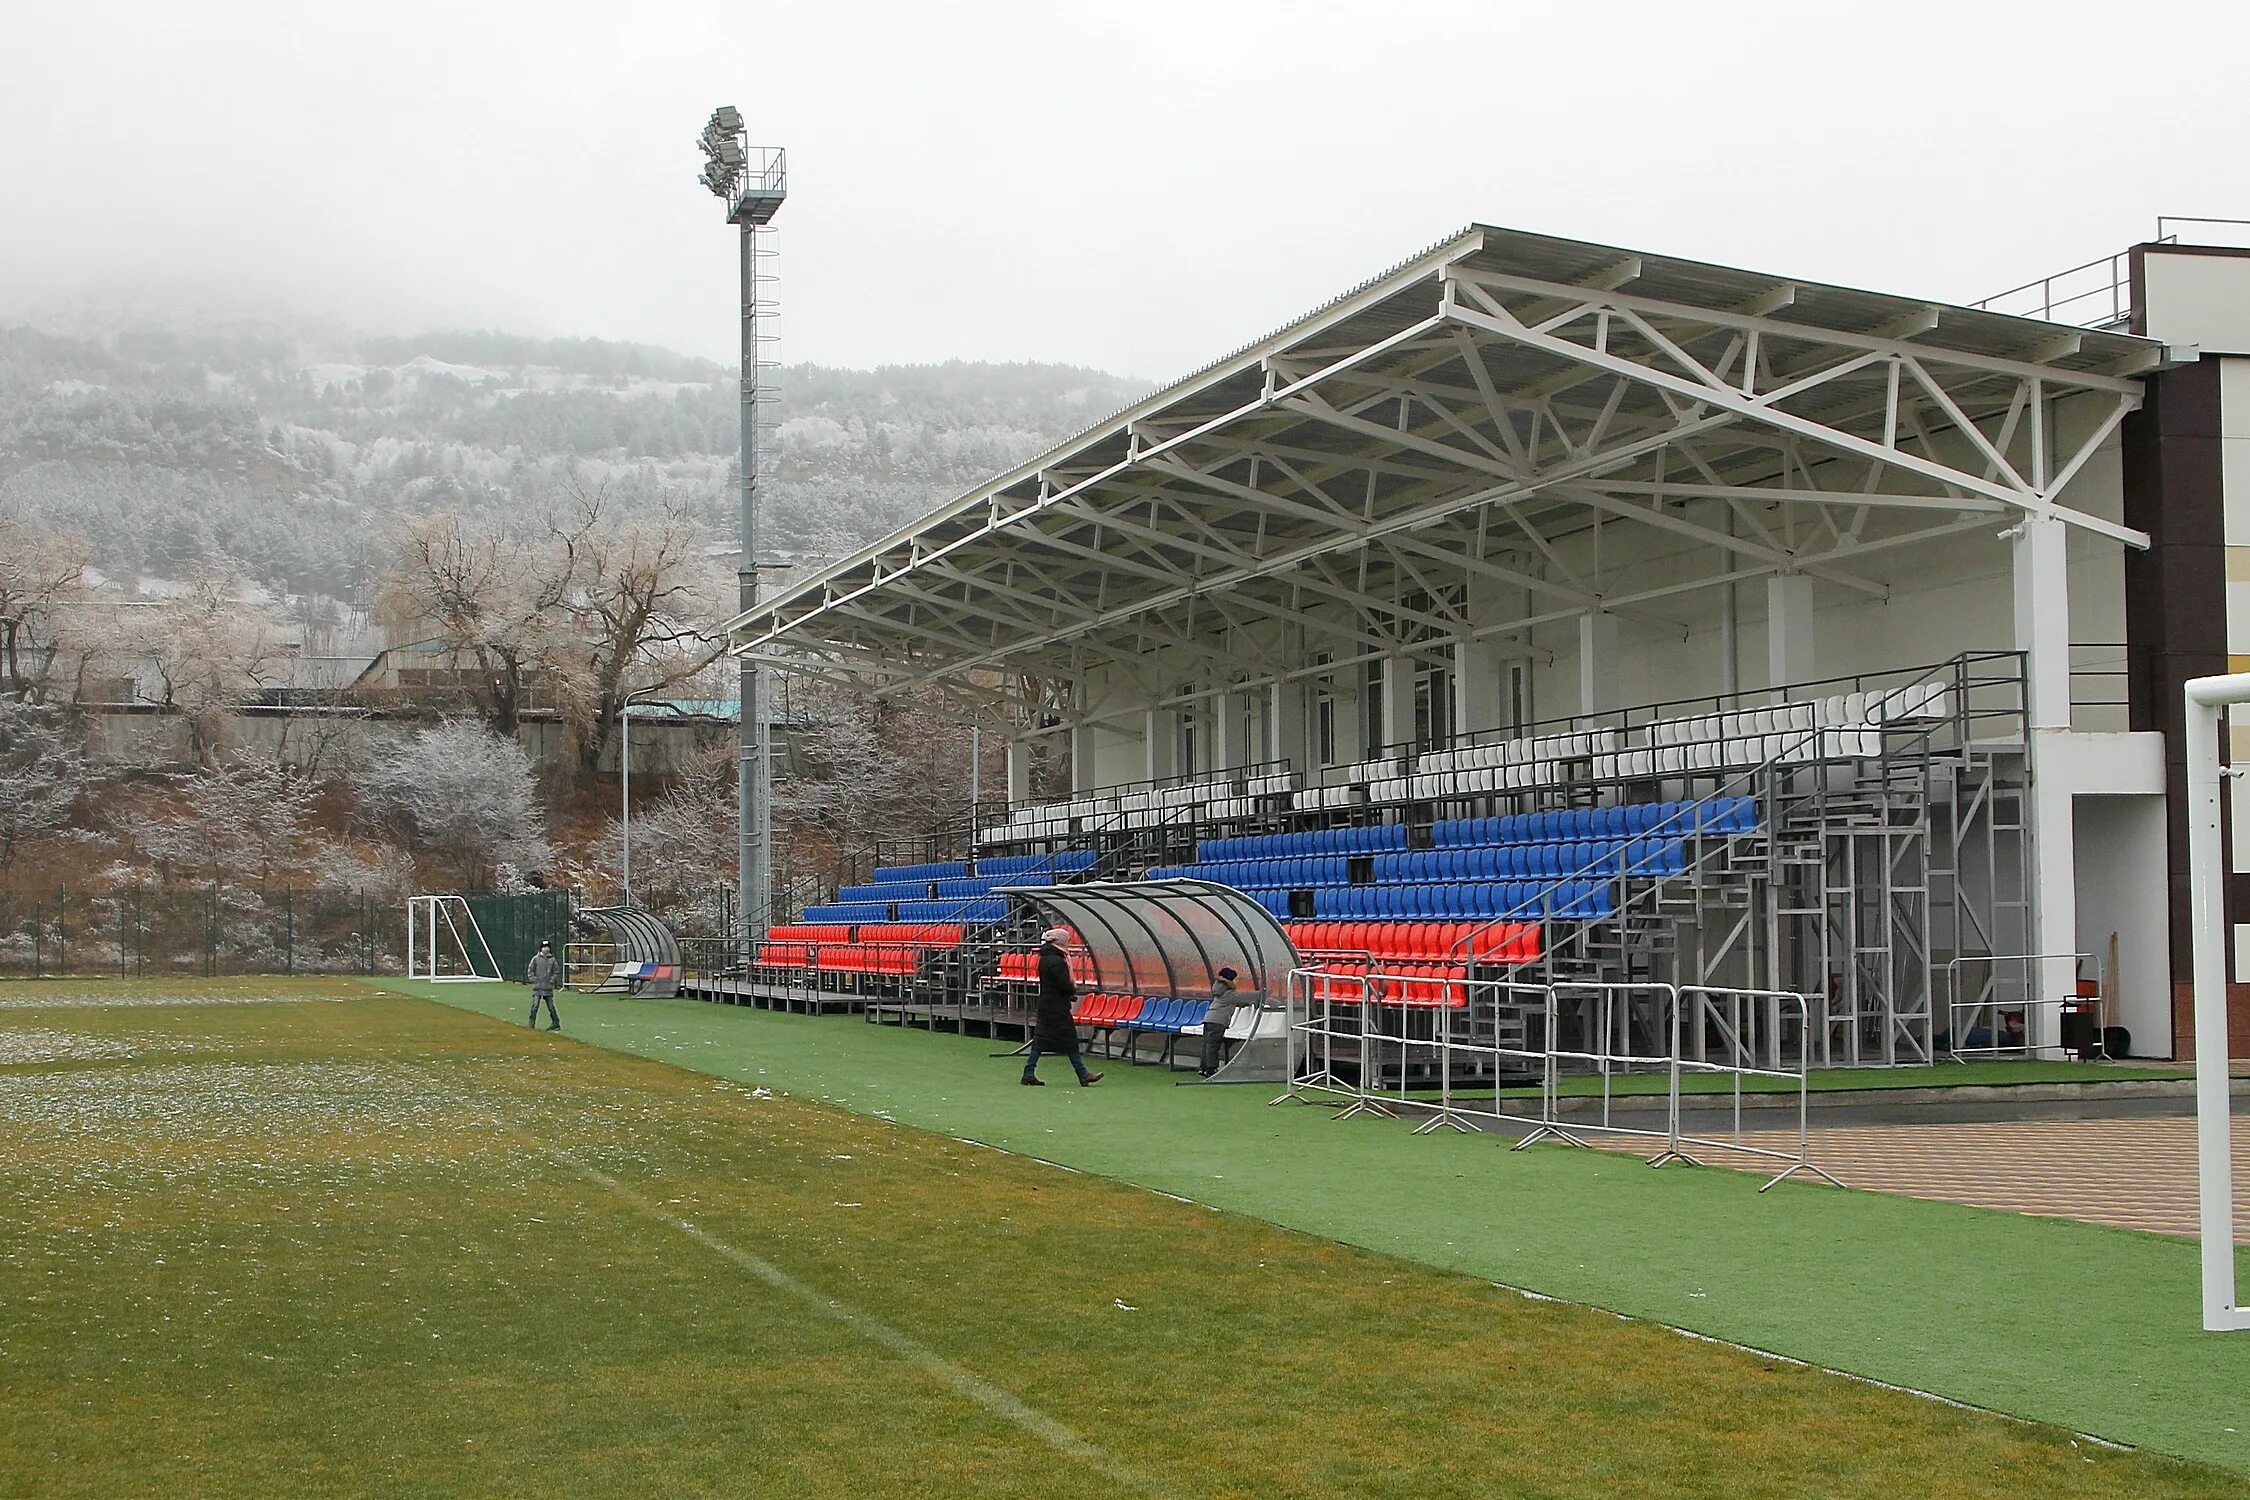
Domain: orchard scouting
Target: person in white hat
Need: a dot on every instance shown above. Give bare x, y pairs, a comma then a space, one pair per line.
1052, 1029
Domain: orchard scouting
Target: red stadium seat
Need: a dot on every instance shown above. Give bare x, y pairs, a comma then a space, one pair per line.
792, 946
1453, 942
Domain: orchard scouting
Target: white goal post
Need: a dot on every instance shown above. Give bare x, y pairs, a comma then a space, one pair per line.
444, 945
2208, 699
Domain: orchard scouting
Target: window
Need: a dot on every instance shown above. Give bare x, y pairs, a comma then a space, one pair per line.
1433, 706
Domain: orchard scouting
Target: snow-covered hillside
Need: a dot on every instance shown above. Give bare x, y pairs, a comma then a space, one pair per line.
287, 449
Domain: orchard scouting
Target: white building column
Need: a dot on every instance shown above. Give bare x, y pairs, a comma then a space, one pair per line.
1597, 660
1229, 726
2042, 616
1289, 723
1789, 630
1477, 670
1160, 739
1480, 665
1019, 770
1085, 759
1398, 700
2042, 599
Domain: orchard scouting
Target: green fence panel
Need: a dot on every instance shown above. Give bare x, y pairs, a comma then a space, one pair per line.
514, 926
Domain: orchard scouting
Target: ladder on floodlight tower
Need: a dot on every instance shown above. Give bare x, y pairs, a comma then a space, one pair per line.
765, 337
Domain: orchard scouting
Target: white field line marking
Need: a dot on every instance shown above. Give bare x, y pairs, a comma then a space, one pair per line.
974, 1387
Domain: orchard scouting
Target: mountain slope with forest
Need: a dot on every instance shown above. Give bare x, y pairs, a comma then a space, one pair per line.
287, 452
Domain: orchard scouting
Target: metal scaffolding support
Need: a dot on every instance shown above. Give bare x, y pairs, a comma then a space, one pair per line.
1873, 866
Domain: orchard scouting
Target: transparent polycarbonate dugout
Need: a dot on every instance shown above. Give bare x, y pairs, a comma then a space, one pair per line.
1168, 937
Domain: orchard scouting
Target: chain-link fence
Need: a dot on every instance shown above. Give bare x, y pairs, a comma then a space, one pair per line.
240, 929
199, 929
514, 926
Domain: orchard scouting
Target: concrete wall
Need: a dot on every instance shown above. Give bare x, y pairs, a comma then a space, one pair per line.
2121, 890
151, 738
2193, 294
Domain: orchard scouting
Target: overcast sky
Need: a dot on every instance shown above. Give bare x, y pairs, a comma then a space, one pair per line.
1131, 186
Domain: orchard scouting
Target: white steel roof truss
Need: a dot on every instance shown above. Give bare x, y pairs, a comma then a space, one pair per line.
1409, 519
1494, 318
1198, 518
1652, 515
1428, 399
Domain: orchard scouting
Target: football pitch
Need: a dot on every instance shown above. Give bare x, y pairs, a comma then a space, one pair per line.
275, 1236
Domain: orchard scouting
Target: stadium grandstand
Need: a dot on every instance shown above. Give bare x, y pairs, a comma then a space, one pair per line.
1547, 613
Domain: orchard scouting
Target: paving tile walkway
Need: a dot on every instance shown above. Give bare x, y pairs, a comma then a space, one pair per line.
2129, 1173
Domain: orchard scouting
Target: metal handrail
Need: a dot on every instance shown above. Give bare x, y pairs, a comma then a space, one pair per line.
991, 810
1989, 1000
1642, 715
1765, 773
1368, 1096
2114, 285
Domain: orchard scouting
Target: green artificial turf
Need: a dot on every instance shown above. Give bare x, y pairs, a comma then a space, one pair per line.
2092, 1328
298, 1238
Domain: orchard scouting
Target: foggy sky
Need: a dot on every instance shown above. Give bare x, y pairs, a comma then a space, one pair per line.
1134, 187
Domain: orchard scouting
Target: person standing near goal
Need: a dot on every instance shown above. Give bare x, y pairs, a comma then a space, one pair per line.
543, 975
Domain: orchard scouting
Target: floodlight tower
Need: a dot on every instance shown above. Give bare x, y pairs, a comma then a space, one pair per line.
751, 181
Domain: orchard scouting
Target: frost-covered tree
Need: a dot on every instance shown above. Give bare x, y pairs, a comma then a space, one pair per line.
648, 598
42, 773
461, 795
492, 594
213, 651
238, 821
42, 572
857, 770
684, 841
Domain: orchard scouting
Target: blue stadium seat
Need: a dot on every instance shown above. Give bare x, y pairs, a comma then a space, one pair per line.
967, 885
1007, 866
918, 873
888, 891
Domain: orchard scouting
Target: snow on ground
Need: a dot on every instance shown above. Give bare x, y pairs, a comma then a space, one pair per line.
422, 364
323, 376
99, 1001
38, 1044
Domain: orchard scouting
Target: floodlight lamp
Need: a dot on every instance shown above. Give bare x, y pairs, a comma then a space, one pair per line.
731, 152
727, 118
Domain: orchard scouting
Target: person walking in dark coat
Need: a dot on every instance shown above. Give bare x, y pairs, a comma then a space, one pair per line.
543, 975
1052, 1029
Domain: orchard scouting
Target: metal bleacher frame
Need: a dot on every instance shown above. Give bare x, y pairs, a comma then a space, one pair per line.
1891, 839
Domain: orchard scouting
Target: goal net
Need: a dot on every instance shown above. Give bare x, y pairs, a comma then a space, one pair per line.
444, 943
